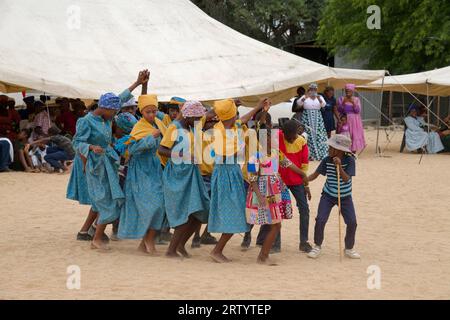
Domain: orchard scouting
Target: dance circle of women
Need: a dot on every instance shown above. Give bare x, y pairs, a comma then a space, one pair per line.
146, 172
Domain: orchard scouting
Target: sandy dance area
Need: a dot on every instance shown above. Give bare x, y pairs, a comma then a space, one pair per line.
403, 229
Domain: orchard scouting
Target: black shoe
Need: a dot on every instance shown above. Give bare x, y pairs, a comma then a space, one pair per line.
196, 242
160, 241
166, 236
246, 241
208, 239
305, 247
275, 250
83, 237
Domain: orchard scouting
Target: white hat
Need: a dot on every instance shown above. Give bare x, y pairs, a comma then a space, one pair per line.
129, 103
340, 142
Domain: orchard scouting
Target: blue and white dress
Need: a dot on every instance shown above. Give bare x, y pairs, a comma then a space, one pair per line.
184, 190
144, 197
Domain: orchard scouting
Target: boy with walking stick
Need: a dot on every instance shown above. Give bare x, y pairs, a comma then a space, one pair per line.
339, 168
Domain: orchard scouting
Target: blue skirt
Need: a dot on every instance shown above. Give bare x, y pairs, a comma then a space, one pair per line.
77, 188
184, 193
227, 212
144, 197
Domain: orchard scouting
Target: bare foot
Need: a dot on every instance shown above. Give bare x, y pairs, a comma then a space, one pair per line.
183, 252
144, 247
219, 257
173, 255
99, 245
266, 261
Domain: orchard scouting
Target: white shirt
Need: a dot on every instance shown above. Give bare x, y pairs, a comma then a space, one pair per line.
311, 104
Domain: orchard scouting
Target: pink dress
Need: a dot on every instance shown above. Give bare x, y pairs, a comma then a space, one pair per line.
354, 122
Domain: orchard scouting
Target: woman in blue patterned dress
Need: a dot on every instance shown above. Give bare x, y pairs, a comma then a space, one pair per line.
143, 213
186, 198
77, 188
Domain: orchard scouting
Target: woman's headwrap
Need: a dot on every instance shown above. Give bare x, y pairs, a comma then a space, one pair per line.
225, 109
125, 121
147, 100
177, 101
193, 109
129, 103
350, 86
313, 86
109, 101
412, 107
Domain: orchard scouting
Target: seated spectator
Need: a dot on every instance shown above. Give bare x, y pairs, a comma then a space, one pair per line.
444, 133
416, 136
42, 118
6, 152
66, 120
22, 161
60, 151
14, 115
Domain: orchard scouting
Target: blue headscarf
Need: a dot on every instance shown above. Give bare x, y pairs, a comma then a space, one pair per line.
125, 121
412, 107
109, 101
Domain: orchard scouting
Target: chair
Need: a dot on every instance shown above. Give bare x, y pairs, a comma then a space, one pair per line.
403, 145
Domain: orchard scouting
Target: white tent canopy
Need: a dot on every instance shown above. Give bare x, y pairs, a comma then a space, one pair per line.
85, 48
434, 83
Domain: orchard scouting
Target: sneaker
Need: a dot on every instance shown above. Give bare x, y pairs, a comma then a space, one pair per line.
305, 247
196, 242
352, 254
208, 239
275, 250
246, 241
315, 252
83, 236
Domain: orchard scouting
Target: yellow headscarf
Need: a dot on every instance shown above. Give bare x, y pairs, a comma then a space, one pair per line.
225, 109
147, 100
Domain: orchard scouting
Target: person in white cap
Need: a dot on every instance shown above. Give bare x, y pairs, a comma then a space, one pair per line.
339, 158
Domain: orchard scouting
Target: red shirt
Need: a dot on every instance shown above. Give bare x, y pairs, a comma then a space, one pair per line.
68, 122
297, 152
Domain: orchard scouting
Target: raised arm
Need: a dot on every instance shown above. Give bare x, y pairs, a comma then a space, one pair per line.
262, 104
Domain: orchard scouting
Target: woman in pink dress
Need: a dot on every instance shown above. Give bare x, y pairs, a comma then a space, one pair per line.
351, 106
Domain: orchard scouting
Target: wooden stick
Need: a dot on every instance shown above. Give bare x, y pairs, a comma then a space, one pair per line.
338, 169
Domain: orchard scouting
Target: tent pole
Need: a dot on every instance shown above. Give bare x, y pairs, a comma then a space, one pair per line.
379, 119
438, 111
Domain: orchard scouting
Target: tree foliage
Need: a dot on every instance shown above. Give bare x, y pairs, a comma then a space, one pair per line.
278, 23
414, 34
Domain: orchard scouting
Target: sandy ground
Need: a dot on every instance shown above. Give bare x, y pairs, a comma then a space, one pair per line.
404, 229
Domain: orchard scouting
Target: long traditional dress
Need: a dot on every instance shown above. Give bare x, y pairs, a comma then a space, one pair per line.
184, 190
328, 114
272, 187
102, 179
417, 137
227, 211
314, 127
354, 122
144, 197
77, 189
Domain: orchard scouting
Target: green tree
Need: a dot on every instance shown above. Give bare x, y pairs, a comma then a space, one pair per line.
414, 34
278, 23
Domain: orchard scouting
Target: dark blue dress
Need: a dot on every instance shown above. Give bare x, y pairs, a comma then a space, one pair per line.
327, 114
